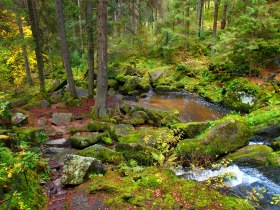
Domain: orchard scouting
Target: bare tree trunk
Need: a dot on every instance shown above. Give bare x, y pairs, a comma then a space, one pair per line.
200, 22
80, 26
139, 15
89, 24
100, 107
65, 53
224, 17
24, 51
187, 30
216, 11
38, 48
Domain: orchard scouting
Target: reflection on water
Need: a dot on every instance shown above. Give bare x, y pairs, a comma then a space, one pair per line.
190, 106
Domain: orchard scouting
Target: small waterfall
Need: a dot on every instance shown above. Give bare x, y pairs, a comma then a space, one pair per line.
242, 180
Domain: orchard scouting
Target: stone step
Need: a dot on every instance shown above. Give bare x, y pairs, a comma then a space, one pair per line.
63, 142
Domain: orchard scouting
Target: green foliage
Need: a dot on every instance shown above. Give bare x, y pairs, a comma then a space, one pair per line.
4, 108
28, 167
153, 188
251, 41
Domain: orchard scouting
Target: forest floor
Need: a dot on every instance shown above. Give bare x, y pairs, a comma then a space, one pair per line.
61, 197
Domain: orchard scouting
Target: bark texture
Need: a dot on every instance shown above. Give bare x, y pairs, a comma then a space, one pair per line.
36, 37
89, 24
100, 108
216, 11
65, 53
24, 52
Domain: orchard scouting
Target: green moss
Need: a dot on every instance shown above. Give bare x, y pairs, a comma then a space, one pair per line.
107, 140
212, 91
102, 153
264, 116
98, 126
120, 130
140, 153
226, 135
32, 135
153, 188
82, 140
238, 88
190, 84
256, 155
190, 130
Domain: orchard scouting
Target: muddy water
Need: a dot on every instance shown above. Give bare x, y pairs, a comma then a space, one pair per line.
190, 106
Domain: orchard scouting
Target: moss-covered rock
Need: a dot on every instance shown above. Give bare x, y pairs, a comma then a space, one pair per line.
102, 153
76, 169
167, 88
132, 85
191, 129
240, 94
140, 153
226, 135
263, 119
253, 155
152, 116
147, 136
98, 126
138, 118
120, 130
155, 188
82, 140
212, 91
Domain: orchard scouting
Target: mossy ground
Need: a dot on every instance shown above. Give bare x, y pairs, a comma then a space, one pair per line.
156, 188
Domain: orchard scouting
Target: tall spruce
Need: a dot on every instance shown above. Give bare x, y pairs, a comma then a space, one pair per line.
65, 53
100, 107
216, 11
89, 26
36, 36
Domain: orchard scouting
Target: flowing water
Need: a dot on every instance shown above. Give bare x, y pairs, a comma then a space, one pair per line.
190, 106
244, 182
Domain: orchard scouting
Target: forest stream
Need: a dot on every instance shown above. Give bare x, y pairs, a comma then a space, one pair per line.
242, 181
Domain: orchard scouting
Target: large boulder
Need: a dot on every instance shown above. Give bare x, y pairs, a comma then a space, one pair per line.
149, 115
252, 155
148, 136
102, 153
132, 85
224, 136
76, 169
120, 130
98, 126
61, 118
265, 121
241, 94
82, 140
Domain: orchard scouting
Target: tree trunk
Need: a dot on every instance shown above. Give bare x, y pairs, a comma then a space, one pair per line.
80, 26
224, 17
38, 48
100, 107
24, 51
89, 24
188, 21
65, 54
216, 11
201, 7
138, 15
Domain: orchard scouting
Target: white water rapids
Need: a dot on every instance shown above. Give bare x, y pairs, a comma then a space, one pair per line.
242, 180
